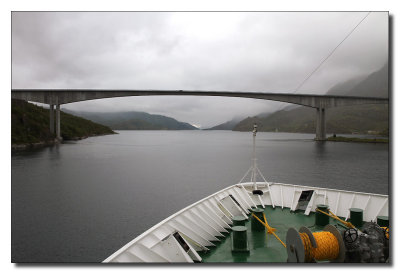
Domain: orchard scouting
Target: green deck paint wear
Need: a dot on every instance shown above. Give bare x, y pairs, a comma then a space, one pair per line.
320, 218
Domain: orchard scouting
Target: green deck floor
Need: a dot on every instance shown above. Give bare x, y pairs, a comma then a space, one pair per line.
263, 248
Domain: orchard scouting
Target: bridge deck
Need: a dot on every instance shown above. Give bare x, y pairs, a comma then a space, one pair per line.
65, 96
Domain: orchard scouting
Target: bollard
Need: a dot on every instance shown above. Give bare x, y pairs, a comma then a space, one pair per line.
255, 224
320, 218
239, 239
238, 221
383, 221
356, 217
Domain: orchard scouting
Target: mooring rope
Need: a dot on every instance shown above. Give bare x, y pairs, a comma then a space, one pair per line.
270, 229
348, 224
327, 246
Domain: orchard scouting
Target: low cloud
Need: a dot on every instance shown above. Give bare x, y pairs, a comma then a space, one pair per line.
260, 51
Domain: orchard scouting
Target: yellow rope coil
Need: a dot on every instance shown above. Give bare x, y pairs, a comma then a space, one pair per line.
327, 246
307, 247
386, 229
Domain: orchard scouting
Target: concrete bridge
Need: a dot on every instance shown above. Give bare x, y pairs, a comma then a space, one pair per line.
57, 97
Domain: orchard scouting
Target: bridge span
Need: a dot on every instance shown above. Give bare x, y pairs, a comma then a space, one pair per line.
57, 97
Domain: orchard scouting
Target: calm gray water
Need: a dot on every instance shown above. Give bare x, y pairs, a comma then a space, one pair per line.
81, 201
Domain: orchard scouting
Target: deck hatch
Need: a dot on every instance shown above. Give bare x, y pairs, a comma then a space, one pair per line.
181, 241
304, 199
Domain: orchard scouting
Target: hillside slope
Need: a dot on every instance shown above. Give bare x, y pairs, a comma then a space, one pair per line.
354, 119
30, 125
351, 119
134, 120
225, 126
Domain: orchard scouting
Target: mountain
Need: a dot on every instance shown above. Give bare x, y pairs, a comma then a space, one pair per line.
133, 120
351, 119
296, 120
374, 85
30, 125
230, 125
227, 125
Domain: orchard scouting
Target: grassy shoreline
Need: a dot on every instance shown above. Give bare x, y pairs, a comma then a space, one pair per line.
357, 140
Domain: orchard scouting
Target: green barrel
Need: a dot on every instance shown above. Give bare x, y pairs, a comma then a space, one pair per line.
356, 217
320, 218
255, 224
239, 239
383, 221
238, 221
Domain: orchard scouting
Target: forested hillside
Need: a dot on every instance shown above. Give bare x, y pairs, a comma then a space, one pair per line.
361, 119
30, 124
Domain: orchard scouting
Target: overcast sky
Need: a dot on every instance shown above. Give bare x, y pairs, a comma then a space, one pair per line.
259, 51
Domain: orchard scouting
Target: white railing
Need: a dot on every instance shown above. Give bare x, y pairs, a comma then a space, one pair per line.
200, 224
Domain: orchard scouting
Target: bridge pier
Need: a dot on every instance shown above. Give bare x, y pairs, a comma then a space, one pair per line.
320, 102
58, 123
321, 125
51, 119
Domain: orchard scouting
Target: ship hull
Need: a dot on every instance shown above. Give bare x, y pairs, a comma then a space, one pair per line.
202, 226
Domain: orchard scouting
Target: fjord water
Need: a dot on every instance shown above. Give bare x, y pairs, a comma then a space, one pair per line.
83, 200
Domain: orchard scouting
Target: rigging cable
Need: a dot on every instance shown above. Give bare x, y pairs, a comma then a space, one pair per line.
329, 55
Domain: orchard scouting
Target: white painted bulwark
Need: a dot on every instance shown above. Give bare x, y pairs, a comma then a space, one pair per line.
194, 228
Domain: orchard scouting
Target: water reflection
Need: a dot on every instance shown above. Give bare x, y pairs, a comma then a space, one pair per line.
81, 201
320, 150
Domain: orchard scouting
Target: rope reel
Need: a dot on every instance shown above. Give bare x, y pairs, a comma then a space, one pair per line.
303, 246
386, 232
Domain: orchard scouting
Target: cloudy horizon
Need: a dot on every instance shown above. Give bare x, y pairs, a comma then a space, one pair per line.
222, 51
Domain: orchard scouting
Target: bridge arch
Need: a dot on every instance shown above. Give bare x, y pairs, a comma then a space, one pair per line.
57, 97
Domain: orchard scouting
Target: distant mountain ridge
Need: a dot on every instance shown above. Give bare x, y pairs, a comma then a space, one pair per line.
351, 119
230, 125
227, 125
374, 85
133, 120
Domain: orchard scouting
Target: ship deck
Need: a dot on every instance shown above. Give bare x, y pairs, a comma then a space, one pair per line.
263, 247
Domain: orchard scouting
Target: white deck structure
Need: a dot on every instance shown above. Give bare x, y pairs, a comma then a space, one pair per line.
192, 229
